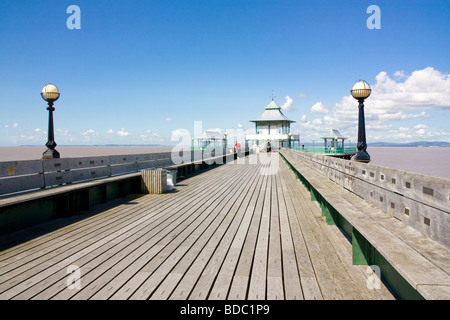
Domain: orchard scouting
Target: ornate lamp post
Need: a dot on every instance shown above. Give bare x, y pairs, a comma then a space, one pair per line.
290, 136
360, 91
50, 94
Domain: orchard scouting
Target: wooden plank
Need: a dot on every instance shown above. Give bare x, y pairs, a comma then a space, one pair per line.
356, 279
274, 266
310, 287
224, 238
258, 278
144, 250
123, 285
219, 212
224, 278
291, 277
66, 252
341, 278
324, 277
66, 233
239, 285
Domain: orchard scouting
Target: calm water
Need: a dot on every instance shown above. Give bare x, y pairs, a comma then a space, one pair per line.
433, 161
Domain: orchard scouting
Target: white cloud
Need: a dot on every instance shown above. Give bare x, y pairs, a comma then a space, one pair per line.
397, 101
400, 74
423, 89
87, 133
240, 125
22, 136
400, 115
317, 122
123, 133
15, 125
304, 118
62, 132
168, 119
319, 107
288, 104
110, 131
420, 131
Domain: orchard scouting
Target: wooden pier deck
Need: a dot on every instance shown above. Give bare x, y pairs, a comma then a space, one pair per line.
233, 232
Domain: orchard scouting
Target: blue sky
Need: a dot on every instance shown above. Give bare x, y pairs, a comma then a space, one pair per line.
138, 70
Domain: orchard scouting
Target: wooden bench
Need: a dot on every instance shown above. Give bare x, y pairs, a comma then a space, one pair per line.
413, 265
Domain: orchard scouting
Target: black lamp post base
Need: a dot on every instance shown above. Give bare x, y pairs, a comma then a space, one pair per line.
50, 154
362, 156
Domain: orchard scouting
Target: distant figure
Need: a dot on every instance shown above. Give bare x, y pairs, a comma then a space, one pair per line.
254, 147
238, 148
269, 147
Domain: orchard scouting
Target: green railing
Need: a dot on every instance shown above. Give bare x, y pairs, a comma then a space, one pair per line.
327, 150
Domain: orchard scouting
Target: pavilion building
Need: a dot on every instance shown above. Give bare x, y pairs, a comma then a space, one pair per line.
274, 127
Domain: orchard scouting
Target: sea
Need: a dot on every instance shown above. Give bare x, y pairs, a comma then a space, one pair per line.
434, 161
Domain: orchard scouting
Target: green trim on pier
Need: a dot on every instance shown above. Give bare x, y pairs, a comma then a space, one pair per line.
327, 150
362, 250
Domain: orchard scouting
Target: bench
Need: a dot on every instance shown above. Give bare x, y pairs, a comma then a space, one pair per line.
413, 265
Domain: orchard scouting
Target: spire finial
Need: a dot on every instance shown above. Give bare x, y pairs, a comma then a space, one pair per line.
273, 97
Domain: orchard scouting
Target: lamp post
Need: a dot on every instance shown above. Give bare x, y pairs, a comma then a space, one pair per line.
50, 94
360, 91
290, 136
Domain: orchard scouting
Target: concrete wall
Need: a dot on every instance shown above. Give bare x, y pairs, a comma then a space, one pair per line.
19, 176
420, 201
100, 179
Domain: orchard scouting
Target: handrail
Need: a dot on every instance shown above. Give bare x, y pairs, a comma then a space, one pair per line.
327, 150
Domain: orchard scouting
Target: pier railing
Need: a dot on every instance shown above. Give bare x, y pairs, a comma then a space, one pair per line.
327, 150
27, 175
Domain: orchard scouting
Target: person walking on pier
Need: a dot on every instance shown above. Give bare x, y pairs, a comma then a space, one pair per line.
238, 148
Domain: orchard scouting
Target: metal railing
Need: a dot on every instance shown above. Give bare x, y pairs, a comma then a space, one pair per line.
327, 150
